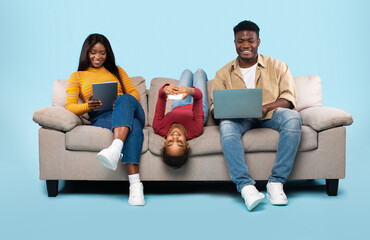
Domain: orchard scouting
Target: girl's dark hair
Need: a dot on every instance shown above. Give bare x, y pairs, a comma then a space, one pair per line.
175, 162
109, 64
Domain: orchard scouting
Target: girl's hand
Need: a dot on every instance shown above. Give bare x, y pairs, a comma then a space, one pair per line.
185, 91
94, 103
171, 89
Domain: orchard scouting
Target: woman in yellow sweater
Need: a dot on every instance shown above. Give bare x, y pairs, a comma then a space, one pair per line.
126, 119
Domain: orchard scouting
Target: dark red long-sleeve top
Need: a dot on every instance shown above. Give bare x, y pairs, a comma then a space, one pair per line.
190, 116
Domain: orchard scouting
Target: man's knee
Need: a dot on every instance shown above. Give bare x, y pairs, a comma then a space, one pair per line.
228, 128
291, 120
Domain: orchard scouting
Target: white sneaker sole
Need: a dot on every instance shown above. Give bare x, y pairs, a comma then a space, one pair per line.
276, 202
139, 203
256, 202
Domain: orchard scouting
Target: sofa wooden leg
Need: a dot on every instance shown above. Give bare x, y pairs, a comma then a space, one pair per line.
332, 187
52, 186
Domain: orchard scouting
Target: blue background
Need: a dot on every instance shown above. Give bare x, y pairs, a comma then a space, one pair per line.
41, 41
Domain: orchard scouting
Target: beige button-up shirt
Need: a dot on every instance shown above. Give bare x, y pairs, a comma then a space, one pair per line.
272, 75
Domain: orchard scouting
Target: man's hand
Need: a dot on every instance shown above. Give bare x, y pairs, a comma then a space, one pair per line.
264, 110
171, 89
185, 91
280, 103
94, 103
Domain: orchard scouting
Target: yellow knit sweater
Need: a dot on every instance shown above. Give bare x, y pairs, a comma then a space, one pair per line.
80, 85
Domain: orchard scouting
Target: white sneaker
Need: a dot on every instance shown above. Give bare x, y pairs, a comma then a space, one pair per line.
275, 193
109, 157
252, 196
136, 196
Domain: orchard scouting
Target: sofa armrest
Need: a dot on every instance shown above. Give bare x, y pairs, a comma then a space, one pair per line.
321, 118
57, 118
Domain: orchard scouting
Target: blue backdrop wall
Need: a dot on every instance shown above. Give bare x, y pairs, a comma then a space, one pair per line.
41, 41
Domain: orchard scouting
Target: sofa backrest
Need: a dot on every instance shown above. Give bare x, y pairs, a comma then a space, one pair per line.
308, 94
60, 94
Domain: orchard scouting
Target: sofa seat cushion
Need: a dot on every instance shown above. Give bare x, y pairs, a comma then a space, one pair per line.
94, 139
255, 140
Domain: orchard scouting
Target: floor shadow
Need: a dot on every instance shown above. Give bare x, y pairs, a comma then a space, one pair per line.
293, 187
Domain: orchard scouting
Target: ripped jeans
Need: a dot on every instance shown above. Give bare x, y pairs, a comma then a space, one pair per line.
287, 122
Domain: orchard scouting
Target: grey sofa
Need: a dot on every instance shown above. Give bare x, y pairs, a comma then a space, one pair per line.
68, 145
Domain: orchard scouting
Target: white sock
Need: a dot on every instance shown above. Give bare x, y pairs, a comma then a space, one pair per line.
134, 178
118, 144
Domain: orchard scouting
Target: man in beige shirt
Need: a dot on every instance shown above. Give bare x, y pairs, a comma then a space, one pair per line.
252, 70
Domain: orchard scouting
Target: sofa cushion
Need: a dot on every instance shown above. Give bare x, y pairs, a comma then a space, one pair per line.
322, 118
57, 118
255, 140
59, 97
308, 92
94, 139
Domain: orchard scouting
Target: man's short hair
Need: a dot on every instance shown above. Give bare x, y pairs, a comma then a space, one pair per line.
247, 26
175, 162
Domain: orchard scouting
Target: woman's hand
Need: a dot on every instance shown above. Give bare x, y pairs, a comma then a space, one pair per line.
94, 103
171, 89
186, 91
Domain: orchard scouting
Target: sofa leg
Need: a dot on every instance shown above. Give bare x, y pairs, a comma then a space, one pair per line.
52, 186
332, 187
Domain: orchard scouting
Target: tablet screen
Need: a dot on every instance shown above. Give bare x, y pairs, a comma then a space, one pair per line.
106, 92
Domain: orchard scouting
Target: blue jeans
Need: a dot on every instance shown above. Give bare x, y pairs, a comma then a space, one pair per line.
198, 80
127, 112
287, 122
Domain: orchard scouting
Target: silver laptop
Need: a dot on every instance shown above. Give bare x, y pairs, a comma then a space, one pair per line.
106, 92
237, 103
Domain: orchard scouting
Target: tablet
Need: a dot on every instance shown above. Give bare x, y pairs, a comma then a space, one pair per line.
106, 92
237, 103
